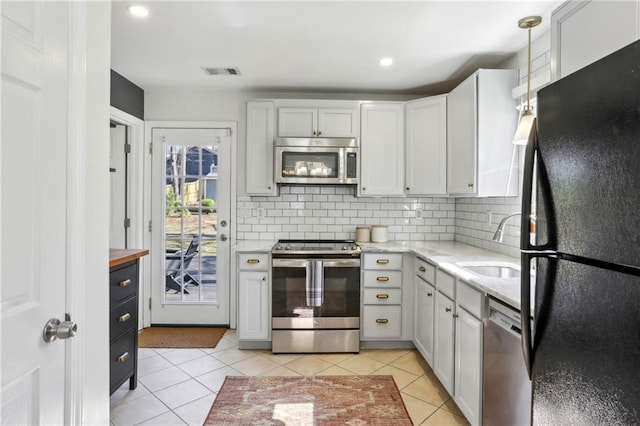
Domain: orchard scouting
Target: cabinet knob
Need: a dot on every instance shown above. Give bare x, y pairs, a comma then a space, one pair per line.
364, 189
447, 309
407, 188
269, 187
382, 321
470, 185
455, 315
422, 269
313, 133
319, 133
429, 294
264, 278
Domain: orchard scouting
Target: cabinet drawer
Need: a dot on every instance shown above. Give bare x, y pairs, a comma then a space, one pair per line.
123, 317
123, 282
469, 298
383, 261
445, 283
377, 296
122, 356
382, 322
382, 279
253, 262
425, 270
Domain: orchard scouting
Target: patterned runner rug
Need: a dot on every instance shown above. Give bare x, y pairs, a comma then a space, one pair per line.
320, 400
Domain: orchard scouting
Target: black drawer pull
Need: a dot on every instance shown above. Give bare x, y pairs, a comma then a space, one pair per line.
382, 320
123, 358
382, 261
124, 283
383, 279
124, 318
429, 294
382, 296
253, 261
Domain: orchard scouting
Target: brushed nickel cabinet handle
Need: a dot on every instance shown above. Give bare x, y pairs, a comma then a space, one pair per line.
382, 261
124, 283
382, 321
124, 318
382, 296
253, 261
422, 269
123, 358
382, 279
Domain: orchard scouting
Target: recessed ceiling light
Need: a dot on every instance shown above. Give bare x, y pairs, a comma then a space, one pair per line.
385, 62
140, 11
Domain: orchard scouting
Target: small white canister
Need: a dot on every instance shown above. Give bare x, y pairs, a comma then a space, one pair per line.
379, 233
363, 234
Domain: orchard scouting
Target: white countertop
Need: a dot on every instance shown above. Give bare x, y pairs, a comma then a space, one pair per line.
444, 254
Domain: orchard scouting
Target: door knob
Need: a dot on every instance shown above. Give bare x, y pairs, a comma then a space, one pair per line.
55, 329
223, 237
223, 223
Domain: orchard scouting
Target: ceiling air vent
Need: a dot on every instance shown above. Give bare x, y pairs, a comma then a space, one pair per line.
221, 71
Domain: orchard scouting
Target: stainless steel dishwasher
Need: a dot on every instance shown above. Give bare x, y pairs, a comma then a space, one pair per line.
506, 388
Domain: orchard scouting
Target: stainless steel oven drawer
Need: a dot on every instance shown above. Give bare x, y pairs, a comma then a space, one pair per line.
315, 341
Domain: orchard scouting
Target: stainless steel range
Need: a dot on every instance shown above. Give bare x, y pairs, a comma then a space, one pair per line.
316, 296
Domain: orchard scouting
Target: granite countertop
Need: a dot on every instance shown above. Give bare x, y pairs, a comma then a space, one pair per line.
446, 255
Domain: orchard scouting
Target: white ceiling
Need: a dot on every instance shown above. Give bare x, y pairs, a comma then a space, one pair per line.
318, 46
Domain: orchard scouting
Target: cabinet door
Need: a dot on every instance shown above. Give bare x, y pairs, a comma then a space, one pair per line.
444, 328
260, 140
382, 162
583, 32
253, 305
423, 323
468, 370
297, 122
426, 147
462, 138
337, 122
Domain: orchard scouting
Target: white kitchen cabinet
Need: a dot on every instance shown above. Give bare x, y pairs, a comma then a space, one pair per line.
468, 352
254, 315
259, 150
313, 121
426, 146
481, 122
423, 322
443, 347
382, 296
584, 31
382, 149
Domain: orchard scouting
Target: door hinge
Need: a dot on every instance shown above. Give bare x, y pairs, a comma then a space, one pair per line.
149, 226
150, 148
127, 148
127, 222
149, 303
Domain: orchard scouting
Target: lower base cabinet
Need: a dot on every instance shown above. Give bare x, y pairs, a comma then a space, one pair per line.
444, 330
468, 366
254, 313
423, 323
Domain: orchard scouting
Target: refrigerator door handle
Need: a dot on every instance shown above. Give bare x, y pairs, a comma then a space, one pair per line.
527, 188
525, 307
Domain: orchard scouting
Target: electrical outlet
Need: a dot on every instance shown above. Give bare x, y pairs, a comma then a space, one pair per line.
260, 213
418, 213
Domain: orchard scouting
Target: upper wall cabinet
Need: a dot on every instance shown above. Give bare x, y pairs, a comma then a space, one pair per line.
381, 150
584, 31
426, 146
260, 141
481, 122
324, 119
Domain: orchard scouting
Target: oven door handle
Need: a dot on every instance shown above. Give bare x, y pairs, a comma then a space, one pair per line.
290, 263
341, 263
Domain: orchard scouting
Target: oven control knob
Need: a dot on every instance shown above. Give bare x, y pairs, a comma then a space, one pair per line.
354, 247
288, 247
345, 248
278, 247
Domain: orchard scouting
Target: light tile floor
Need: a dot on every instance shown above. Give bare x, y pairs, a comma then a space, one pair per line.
178, 386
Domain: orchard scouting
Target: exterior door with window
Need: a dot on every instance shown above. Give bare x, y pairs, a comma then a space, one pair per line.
191, 225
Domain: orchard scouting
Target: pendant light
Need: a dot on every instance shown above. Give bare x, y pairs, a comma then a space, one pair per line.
526, 118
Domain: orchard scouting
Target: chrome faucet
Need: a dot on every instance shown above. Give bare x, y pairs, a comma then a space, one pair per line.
500, 231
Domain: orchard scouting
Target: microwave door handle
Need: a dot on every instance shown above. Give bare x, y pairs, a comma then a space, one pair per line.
342, 173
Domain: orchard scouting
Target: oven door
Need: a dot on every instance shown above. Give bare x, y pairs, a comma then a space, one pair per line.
309, 165
316, 293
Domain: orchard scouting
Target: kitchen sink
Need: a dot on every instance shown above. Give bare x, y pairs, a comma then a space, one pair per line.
492, 270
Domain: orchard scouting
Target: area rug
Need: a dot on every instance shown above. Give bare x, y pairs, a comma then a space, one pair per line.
180, 337
320, 400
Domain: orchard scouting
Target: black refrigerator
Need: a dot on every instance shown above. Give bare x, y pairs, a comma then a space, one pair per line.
583, 350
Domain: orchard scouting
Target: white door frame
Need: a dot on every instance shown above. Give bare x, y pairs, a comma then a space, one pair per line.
138, 236
148, 126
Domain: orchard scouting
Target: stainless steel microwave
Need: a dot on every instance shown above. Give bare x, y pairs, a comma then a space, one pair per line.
317, 161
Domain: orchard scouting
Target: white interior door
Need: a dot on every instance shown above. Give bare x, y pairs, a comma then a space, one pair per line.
118, 174
191, 236
33, 217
